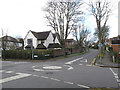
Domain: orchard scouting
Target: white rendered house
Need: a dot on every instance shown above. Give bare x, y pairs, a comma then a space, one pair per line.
40, 40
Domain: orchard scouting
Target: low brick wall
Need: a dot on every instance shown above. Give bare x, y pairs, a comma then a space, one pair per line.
60, 52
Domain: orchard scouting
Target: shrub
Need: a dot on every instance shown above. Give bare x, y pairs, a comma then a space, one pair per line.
44, 54
27, 54
117, 60
113, 53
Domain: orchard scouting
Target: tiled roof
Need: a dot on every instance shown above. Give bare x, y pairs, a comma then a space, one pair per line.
28, 46
41, 35
115, 41
9, 38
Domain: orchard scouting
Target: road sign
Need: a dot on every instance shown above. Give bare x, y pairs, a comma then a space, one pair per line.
100, 45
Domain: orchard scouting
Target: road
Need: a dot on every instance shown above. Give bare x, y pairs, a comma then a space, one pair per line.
73, 72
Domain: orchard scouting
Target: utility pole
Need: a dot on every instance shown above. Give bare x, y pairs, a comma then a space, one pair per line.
32, 49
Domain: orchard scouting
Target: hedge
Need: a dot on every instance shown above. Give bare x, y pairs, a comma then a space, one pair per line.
27, 54
41, 54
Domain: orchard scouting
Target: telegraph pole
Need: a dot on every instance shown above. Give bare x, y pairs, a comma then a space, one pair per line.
32, 49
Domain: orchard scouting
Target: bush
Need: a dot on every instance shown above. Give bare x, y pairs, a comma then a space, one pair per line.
117, 60
16, 54
113, 53
27, 54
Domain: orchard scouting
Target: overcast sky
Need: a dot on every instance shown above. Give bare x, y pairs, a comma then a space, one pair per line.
17, 17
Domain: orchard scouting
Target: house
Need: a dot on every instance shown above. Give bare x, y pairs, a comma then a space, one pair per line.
107, 42
41, 40
95, 45
8, 43
115, 44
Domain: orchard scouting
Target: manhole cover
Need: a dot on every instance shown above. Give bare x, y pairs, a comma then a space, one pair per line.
52, 67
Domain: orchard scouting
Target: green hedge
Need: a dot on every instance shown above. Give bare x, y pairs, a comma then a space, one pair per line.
27, 54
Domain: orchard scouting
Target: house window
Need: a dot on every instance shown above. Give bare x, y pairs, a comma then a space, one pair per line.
29, 41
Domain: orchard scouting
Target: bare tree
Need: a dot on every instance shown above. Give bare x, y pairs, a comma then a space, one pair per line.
4, 43
81, 34
62, 16
104, 34
101, 10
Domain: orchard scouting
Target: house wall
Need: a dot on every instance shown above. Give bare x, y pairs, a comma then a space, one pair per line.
49, 40
116, 48
56, 40
30, 36
39, 42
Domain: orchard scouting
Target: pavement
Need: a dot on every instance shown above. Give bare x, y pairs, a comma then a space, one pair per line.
106, 62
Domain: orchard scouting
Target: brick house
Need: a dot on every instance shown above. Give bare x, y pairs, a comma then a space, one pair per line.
115, 44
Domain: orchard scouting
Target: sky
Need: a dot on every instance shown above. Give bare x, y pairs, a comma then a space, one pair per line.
19, 16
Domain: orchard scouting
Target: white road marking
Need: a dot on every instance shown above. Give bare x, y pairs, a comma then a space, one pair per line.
44, 70
44, 77
88, 65
116, 77
118, 80
85, 60
9, 72
38, 69
21, 75
68, 82
54, 79
113, 71
80, 64
74, 60
2, 71
36, 75
82, 86
33, 66
52, 68
70, 67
